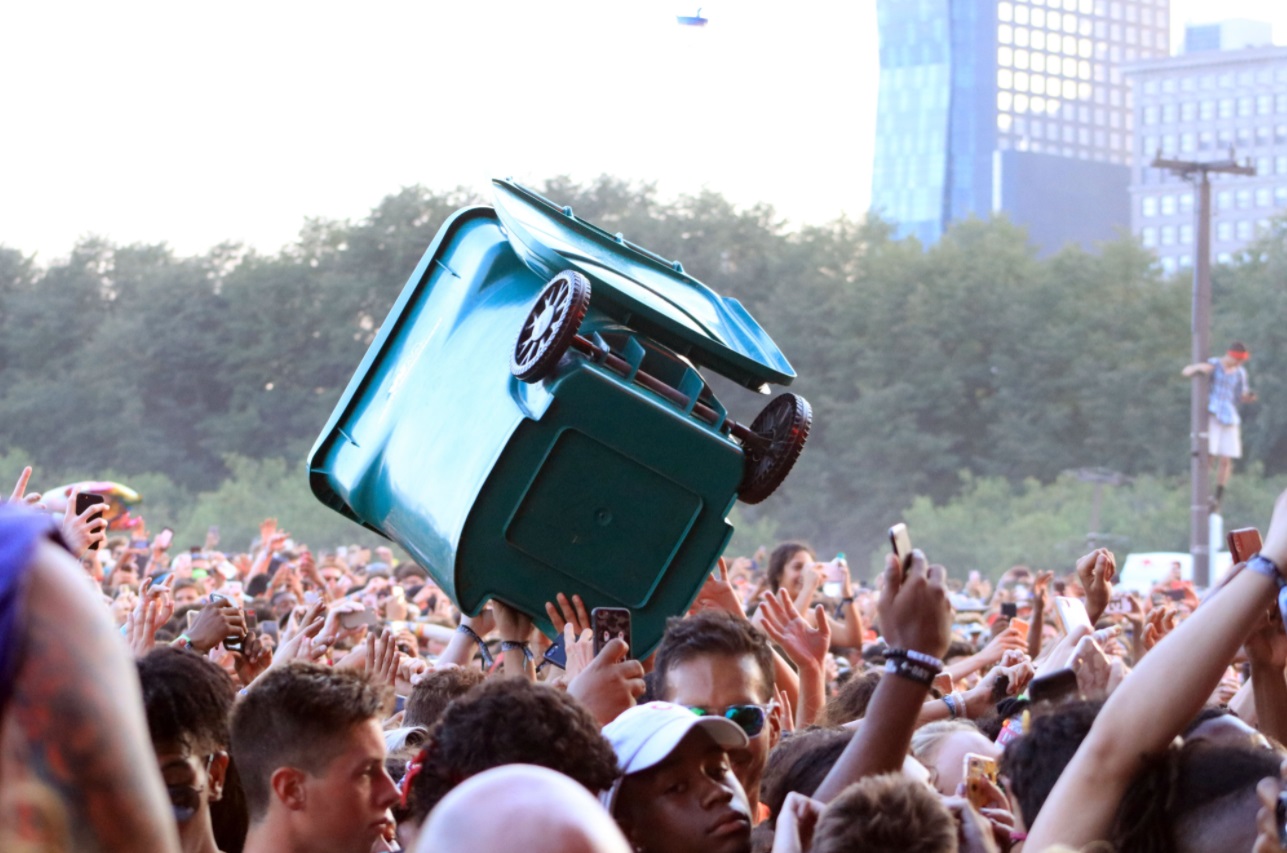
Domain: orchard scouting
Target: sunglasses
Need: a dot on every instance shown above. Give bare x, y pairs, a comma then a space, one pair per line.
185, 799
748, 718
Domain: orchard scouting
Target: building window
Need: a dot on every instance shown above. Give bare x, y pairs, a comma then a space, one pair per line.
1224, 231
1149, 237
1168, 265
1021, 59
1020, 14
1188, 142
1224, 200
1188, 111
1244, 229
1168, 235
1245, 106
1004, 12
1280, 196
1244, 199
1226, 108
1168, 205
1186, 235
1186, 202
1264, 105
1148, 206
1263, 197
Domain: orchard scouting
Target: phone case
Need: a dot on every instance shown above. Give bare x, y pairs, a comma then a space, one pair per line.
609, 622
1072, 613
977, 768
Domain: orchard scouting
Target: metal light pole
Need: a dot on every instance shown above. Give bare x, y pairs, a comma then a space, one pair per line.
1199, 468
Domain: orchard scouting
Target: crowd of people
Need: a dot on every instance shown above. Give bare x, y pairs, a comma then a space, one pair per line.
163, 697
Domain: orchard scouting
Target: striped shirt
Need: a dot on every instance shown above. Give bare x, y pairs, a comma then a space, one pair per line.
1227, 390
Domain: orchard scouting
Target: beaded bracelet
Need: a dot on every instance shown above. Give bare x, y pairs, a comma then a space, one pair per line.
911, 670
918, 657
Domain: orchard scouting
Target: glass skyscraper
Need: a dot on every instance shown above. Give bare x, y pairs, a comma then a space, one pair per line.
975, 94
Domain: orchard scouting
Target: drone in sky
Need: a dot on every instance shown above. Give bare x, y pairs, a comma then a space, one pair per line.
692, 20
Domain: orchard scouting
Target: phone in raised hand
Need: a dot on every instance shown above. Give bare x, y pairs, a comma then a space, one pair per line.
1244, 543
1072, 612
900, 540
607, 623
85, 500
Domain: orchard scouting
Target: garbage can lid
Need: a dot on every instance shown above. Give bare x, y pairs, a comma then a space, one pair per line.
643, 290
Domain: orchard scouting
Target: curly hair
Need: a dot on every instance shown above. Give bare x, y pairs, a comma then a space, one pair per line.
187, 698
431, 696
510, 721
782, 555
800, 763
291, 717
711, 632
1034, 762
886, 814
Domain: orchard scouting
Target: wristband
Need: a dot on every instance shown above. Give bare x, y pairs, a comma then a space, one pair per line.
515, 645
482, 647
184, 642
955, 704
1265, 566
917, 657
911, 670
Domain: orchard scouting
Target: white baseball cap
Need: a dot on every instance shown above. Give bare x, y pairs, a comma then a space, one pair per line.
646, 735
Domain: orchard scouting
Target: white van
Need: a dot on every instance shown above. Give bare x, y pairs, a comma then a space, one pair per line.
1143, 570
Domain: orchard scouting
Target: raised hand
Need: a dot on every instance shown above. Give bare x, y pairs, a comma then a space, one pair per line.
253, 660
804, 644
513, 624
20, 495
717, 593
81, 532
216, 621
1007, 641
610, 684
914, 610
568, 613
1161, 621
1092, 668
579, 649
1096, 571
796, 823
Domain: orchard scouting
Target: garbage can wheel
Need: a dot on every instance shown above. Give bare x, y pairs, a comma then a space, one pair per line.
550, 326
784, 423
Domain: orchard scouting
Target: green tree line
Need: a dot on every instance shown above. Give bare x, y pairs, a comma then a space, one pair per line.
969, 374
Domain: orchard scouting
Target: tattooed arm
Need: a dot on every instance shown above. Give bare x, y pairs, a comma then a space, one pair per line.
77, 716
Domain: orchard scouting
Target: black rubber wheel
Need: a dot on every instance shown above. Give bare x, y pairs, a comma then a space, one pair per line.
550, 326
784, 424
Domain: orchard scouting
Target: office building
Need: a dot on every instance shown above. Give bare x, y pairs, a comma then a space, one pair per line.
979, 97
1201, 106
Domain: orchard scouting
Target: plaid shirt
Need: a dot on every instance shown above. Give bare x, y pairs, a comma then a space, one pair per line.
1227, 389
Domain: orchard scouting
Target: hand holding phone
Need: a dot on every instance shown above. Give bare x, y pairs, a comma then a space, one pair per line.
607, 623
900, 540
85, 500
977, 770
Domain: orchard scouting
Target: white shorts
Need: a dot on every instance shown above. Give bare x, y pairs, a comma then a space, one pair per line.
1224, 439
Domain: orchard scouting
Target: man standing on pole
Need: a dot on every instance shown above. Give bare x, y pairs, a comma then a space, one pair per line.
1224, 426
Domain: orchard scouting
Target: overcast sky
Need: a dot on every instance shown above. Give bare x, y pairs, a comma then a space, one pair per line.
193, 124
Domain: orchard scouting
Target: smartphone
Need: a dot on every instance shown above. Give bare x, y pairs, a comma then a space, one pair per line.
901, 543
192, 617
1009, 609
609, 622
557, 653
85, 500
272, 628
1072, 612
1175, 594
358, 618
1244, 543
1055, 687
1020, 625
977, 768
236, 642
163, 539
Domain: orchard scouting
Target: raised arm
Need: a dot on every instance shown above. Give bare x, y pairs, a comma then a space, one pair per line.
1191, 370
77, 714
915, 616
1152, 706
